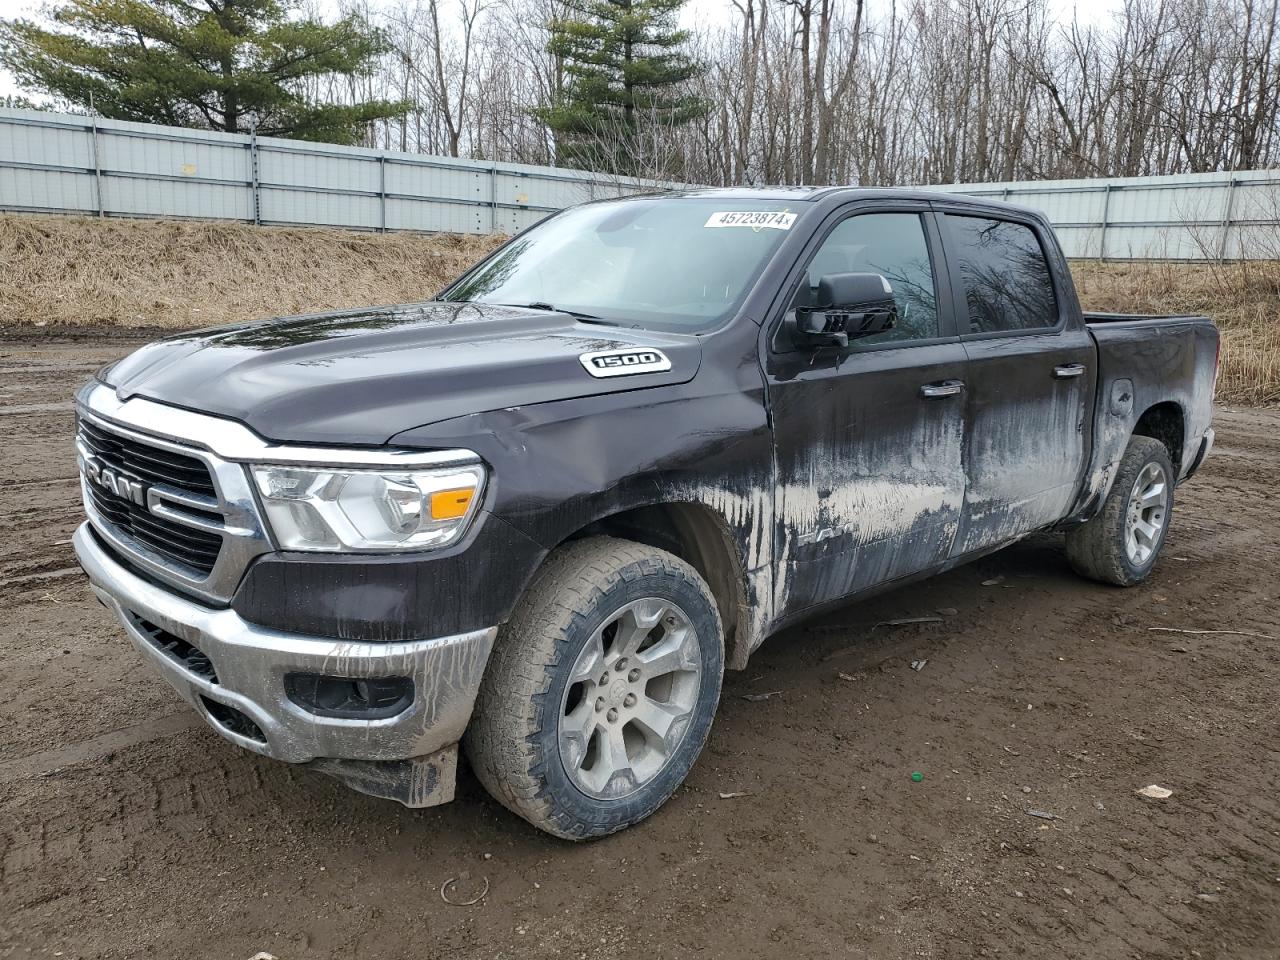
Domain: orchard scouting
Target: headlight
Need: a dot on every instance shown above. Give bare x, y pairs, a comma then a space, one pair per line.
318, 508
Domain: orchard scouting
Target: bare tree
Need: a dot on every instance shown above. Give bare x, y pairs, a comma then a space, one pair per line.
813, 91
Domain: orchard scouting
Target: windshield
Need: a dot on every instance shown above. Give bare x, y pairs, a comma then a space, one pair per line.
665, 263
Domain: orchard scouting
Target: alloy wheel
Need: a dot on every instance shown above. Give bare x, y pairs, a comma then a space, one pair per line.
630, 697
1147, 512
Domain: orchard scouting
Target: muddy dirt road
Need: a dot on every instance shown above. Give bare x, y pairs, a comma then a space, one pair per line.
129, 830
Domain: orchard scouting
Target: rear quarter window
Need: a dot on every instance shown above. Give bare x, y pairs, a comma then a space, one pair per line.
1005, 274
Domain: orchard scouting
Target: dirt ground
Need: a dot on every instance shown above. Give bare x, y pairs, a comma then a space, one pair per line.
129, 830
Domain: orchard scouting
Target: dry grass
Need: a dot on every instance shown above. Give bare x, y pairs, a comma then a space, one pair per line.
81, 271
1243, 298
161, 273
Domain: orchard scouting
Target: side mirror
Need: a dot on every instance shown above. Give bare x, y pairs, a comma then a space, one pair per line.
847, 305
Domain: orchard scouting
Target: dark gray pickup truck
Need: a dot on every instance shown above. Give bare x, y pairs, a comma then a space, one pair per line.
542, 513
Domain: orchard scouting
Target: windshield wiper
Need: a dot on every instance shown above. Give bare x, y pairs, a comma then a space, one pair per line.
552, 308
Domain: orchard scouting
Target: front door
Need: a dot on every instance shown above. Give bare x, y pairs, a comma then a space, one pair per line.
868, 439
1030, 381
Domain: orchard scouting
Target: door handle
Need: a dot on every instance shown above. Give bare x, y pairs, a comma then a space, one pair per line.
936, 391
1068, 370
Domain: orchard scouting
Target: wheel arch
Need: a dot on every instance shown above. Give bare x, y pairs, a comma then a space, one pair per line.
701, 537
1164, 421
1167, 422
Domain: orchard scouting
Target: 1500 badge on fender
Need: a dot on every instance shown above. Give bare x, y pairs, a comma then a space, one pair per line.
624, 363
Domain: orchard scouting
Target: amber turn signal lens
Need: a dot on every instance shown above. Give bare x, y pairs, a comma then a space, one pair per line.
450, 504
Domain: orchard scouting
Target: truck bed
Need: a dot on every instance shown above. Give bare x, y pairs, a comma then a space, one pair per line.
1099, 318
1164, 364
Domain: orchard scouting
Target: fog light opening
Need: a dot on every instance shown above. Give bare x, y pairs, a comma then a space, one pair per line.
233, 720
351, 698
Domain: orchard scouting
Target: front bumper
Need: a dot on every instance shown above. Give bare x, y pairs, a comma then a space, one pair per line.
249, 663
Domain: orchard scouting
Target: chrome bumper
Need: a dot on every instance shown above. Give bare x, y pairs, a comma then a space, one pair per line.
250, 664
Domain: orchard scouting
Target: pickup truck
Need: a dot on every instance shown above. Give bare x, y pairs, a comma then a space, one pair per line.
539, 515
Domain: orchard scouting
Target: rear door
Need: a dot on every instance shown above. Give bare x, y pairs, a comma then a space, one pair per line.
1030, 377
868, 438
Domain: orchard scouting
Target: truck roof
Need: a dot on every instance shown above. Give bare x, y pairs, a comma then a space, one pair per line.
814, 193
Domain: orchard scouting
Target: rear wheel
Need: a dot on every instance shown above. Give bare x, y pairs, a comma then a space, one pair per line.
601, 689
1120, 545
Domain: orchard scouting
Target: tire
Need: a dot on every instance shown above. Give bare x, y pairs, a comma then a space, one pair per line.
1101, 549
545, 735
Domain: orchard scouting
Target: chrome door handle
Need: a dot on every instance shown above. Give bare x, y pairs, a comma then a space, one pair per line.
1068, 370
947, 388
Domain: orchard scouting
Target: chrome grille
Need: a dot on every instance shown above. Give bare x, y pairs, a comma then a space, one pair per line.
149, 463
179, 519
165, 504
174, 541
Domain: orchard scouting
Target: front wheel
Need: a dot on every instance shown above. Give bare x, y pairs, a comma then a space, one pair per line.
1120, 545
601, 689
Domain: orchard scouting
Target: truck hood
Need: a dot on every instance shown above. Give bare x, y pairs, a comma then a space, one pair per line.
360, 377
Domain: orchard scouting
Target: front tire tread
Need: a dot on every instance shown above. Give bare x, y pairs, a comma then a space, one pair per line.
505, 741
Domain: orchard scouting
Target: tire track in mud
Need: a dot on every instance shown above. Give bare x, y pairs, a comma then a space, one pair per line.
1129, 907
51, 761
127, 812
26, 409
1130, 902
41, 480
39, 536
1206, 810
41, 577
48, 368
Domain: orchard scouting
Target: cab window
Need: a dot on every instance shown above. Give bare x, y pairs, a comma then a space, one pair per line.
894, 246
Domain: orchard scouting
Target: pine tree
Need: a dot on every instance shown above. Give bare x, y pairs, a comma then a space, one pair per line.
225, 65
624, 83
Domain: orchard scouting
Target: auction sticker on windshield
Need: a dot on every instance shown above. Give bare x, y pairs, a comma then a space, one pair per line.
764, 220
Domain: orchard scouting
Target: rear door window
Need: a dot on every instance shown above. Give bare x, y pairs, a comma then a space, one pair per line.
1005, 273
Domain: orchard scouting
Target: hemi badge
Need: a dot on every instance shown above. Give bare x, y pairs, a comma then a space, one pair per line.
624, 363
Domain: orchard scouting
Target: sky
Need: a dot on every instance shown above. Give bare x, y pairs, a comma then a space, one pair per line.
695, 13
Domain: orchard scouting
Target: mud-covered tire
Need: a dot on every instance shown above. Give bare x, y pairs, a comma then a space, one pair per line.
1098, 549
514, 740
